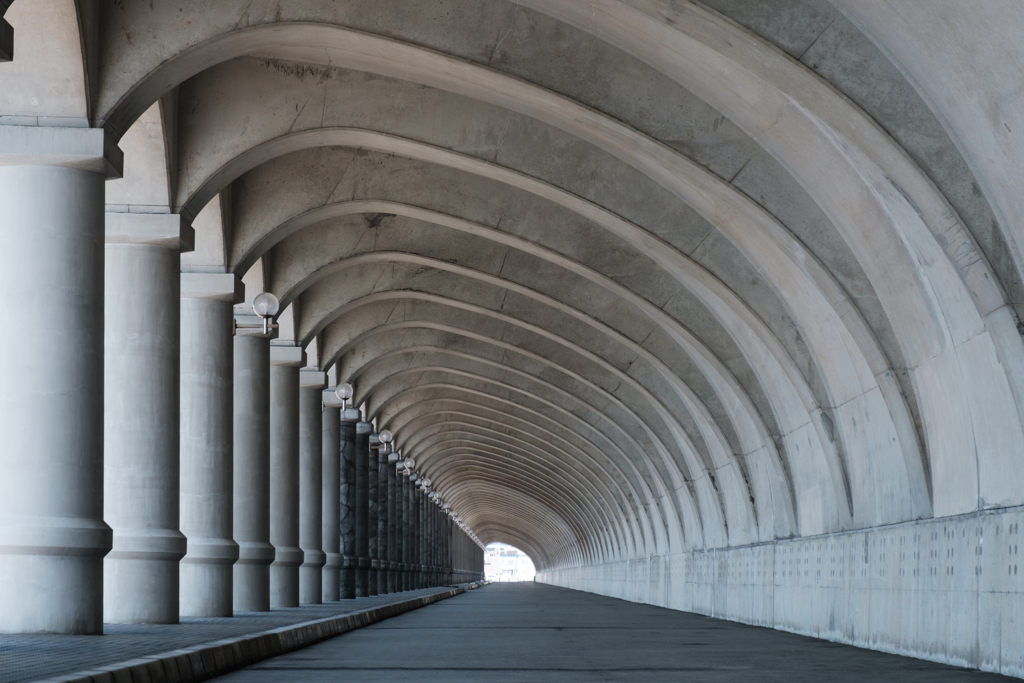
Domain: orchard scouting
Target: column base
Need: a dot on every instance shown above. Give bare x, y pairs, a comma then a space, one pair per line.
251, 588
206, 590
348, 584
330, 578
140, 591
51, 594
311, 585
284, 586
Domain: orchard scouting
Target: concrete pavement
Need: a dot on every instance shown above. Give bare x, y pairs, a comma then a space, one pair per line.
539, 633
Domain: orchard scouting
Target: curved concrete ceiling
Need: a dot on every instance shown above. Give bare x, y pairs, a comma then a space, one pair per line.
627, 277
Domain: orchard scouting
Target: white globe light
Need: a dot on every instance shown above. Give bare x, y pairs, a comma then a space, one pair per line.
266, 305
386, 436
345, 391
426, 482
410, 463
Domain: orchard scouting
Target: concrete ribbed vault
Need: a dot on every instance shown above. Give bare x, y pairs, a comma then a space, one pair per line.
632, 280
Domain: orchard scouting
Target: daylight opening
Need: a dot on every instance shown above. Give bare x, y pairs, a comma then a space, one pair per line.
503, 562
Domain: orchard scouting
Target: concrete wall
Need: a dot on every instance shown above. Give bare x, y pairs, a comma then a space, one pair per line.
946, 589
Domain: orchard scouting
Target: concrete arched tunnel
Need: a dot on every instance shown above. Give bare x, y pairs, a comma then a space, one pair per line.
711, 305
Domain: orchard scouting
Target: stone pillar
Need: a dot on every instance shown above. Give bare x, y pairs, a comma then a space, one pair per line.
422, 539
251, 477
311, 482
284, 475
372, 520
432, 547
205, 572
407, 522
382, 522
362, 511
395, 530
347, 503
141, 476
330, 496
52, 534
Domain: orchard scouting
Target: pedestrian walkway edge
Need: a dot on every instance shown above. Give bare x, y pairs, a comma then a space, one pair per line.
207, 660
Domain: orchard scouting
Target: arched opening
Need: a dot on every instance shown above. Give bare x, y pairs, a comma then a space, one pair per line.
507, 563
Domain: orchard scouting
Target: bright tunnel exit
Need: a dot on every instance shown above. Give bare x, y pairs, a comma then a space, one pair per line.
503, 562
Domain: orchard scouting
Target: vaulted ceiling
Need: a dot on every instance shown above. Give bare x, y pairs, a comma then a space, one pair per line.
626, 277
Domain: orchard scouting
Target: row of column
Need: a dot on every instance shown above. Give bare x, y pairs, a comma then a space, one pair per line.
155, 464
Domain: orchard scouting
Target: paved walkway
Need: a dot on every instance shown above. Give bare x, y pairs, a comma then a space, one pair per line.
34, 657
537, 633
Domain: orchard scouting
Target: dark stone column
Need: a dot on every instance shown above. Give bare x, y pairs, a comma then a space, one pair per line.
347, 504
399, 530
382, 522
371, 519
362, 508
393, 558
407, 535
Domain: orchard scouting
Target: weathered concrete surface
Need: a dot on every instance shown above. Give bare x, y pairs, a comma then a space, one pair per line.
537, 633
631, 280
947, 590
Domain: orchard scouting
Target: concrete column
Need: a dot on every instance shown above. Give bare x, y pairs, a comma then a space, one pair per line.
362, 508
284, 475
330, 511
407, 536
311, 482
395, 530
251, 477
372, 520
205, 588
422, 539
141, 476
347, 503
432, 561
382, 522
410, 534
52, 534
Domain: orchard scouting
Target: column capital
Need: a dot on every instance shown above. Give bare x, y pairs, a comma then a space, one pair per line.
289, 355
364, 427
169, 230
331, 399
84, 149
213, 286
311, 378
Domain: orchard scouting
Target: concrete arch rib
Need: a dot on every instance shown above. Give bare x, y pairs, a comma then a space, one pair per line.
495, 502
813, 456
467, 454
587, 440
735, 495
414, 424
412, 431
490, 429
766, 473
488, 504
568, 434
952, 322
759, 463
675, 485
557, 498
856, 375
528, 419
415, 432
